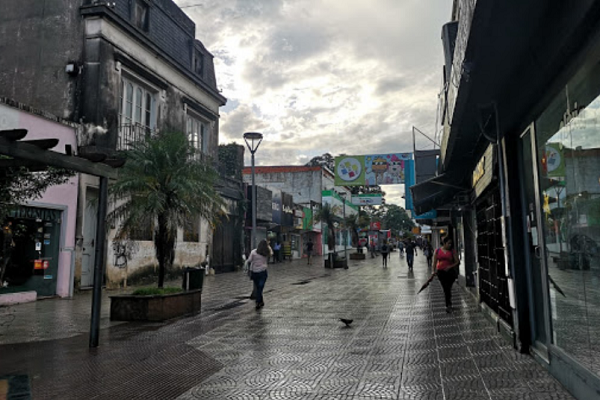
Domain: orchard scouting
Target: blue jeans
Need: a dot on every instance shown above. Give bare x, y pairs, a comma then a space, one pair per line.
259, 278
410, 258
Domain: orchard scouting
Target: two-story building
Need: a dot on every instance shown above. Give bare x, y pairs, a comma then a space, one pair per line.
124, 69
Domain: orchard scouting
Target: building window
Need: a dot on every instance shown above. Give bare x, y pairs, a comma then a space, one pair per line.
191, 230
198, 63
197, 131
140, 15
143, 232
137, 114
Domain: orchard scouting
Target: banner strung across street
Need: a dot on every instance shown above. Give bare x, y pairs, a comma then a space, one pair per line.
371, 170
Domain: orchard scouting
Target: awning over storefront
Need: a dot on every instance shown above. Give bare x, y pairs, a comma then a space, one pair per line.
436, 192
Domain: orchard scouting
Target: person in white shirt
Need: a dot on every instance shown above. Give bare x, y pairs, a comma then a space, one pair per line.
258, 261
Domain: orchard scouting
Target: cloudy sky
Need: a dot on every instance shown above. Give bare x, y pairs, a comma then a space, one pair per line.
317, 76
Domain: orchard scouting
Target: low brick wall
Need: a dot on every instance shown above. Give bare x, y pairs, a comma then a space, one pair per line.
154, 307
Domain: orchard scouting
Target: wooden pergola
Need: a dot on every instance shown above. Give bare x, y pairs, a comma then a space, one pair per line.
37, 156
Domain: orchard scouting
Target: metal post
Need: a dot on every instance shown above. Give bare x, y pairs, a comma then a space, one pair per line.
253, 206
99, 260
253, 140
346, 230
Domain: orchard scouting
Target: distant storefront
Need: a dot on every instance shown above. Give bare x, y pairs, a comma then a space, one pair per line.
42, 232
34, 260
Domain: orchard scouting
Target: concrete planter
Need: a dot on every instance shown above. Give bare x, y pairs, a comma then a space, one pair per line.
154, 307
357, 256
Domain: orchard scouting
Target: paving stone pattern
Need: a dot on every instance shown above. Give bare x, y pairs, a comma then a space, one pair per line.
400, 345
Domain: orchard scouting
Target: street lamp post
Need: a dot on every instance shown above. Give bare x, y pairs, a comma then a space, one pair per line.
253, 140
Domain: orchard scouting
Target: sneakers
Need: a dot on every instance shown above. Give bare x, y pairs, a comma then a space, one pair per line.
260, 305
449, 309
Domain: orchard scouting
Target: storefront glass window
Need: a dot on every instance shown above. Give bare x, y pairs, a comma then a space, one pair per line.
568, 145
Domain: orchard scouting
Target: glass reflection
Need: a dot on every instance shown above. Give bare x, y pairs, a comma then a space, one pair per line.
569, 147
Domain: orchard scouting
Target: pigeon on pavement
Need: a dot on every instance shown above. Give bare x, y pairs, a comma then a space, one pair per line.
346, 321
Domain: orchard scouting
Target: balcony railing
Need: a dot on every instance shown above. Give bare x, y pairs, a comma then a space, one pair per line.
130, 133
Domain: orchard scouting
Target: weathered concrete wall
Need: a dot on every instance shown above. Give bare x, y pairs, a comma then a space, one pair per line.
37, 40
304, 186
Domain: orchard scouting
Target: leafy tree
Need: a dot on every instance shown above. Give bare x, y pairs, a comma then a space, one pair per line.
327, 215
19, 185
163, 184
326, 160
396, 218
356, 222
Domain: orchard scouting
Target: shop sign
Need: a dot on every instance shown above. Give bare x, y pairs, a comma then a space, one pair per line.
307, 220
479, 171
39, 214
287, 208
276, 206
41, 264
484, 171
553, 161
375, 226
367, 199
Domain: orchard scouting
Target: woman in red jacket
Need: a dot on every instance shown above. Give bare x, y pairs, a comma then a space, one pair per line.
445, 263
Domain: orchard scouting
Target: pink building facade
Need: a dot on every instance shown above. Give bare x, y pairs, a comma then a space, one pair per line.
43, 230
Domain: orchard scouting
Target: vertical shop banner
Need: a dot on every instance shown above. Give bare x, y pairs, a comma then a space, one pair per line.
307, 221
371, 170
276, 206
409, 180
554, 161
287, 210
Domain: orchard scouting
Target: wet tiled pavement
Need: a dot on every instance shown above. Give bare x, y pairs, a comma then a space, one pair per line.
400, 345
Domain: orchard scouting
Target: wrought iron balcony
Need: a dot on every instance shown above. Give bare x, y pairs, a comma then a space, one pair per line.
130, 133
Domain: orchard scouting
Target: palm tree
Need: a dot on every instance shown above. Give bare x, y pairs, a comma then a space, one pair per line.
355, 223
163, 183
327, 215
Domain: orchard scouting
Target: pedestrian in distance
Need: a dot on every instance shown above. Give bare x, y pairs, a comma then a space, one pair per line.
373, 252
257, 264
445, 261
276, 251
401, 248
411, 252
309, 251
385, 252
428, 252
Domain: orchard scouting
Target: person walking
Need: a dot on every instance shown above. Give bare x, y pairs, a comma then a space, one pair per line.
385, 252
401, 248
276, 251
411, 252
309, 251
428, 252
445, 261
257, 262
373, 253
